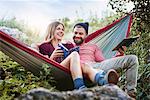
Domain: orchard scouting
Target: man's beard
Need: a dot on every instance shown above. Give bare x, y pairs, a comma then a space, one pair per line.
78, 42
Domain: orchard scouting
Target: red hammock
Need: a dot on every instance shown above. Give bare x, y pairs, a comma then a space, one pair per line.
33, 61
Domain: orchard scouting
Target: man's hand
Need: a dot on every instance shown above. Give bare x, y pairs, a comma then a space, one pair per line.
121, 51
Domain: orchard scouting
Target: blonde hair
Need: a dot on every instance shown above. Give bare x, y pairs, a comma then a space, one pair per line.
51, 29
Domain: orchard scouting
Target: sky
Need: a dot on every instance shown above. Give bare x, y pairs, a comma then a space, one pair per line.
39, 13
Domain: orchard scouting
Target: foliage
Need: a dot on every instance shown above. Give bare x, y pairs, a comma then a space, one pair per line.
19, 81
140, 11
140, 27
21, 26
11, 23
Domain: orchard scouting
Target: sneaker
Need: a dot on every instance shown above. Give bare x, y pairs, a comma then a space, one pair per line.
82, 87
112, 77
100, 78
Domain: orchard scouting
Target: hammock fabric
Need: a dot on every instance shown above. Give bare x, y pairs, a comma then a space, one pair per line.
110, 36
106, 38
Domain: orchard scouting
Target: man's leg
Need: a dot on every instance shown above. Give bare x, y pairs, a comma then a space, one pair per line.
128, 62
100, 76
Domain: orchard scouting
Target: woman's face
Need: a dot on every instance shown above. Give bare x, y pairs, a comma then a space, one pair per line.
59, 32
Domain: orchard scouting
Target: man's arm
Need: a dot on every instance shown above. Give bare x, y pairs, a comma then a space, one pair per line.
98, 55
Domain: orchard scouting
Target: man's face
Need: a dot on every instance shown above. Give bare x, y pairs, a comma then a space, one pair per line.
79, 35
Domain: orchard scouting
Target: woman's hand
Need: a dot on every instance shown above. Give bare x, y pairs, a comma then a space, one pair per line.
57, 53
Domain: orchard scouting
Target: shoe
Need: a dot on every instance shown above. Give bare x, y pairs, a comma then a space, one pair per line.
82, 87
100, 78
112, 77
132, 93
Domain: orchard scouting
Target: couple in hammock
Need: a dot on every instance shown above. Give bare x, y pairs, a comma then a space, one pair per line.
89, 60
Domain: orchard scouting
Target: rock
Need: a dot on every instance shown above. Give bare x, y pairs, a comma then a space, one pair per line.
15, 33
106, 92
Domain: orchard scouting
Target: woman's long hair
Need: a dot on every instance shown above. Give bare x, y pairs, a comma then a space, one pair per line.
51, 29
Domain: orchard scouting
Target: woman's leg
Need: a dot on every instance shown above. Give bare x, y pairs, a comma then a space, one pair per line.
89, 71
72, 62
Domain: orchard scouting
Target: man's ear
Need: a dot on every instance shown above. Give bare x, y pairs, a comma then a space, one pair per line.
86, 35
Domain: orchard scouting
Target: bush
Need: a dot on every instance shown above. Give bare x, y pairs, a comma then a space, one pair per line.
18, 81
